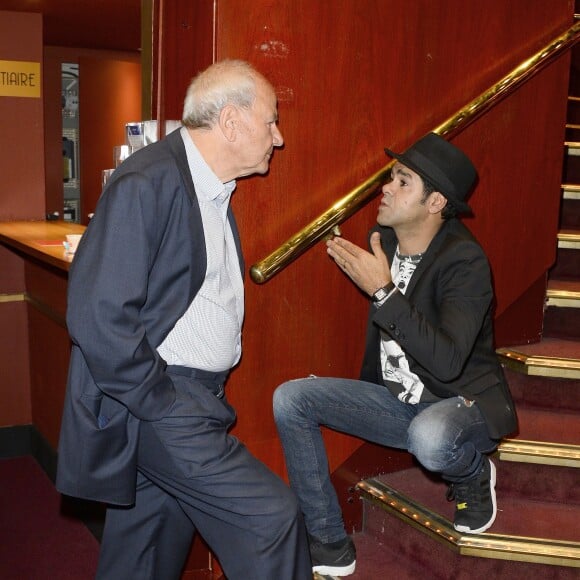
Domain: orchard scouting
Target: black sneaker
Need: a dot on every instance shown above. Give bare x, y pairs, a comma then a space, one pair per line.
475, 505
335, 558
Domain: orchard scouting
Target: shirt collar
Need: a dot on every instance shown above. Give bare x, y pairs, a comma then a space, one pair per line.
206, 182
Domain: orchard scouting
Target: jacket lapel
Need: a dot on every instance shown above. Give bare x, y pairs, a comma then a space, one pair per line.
390, 245
177, 147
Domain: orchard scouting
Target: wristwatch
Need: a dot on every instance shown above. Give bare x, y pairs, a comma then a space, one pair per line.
383, 292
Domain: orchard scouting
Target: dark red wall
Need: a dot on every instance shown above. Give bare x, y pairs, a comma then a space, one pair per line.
21, 196
110, 97
350, 82
183, 45
21, 123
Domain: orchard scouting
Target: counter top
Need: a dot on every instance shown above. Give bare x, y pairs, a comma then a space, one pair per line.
40, 239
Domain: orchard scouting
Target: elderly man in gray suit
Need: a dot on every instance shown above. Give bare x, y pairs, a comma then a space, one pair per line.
155, 310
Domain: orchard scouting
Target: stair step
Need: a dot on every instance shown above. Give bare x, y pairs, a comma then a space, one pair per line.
540, 425
393, 550
569, 238
571, 191
562, 312
390, 540
563, 323
572, 148
553, 394
548, 409
566, 266
551, 357
547, 535
563, 293
569, 214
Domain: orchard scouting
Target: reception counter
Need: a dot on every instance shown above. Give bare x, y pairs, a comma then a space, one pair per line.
35, 347
34, 342
42, 240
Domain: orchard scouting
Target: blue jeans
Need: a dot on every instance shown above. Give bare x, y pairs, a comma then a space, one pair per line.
448, 437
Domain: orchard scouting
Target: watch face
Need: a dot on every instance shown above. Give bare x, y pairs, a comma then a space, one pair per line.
379, 294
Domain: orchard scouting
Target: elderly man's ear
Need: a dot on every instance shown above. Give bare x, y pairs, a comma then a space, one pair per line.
229, 122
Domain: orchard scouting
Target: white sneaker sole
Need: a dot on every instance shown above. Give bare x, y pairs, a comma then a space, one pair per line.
335, 570
488, 525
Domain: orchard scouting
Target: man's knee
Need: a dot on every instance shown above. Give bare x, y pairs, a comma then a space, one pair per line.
286, 399
429, 441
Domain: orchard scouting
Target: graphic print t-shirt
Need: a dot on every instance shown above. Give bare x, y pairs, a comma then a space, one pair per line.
397, 375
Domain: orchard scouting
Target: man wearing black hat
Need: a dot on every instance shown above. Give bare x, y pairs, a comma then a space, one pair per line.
430, 381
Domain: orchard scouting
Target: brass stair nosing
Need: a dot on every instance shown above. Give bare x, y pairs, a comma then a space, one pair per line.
572, 148
568, 234
563, 298
486, 545
569, 239
542, 366
541, 452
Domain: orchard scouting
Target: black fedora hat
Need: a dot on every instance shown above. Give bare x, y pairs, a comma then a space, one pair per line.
442, 164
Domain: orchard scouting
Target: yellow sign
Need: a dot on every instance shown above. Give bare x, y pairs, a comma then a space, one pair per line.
19, 78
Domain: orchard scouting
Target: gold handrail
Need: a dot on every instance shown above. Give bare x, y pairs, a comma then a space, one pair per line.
353, 201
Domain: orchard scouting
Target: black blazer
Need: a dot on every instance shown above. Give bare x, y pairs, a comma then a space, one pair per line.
444, 325
139, 265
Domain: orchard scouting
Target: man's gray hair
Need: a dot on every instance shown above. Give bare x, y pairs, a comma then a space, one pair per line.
228, 82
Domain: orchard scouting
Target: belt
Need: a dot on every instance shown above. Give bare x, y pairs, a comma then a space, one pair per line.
213, 381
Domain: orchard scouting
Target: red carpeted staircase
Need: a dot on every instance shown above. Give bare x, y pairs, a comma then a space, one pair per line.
407, 527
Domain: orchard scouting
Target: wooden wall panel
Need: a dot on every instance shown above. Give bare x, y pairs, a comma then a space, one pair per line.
351, 79
14, 356
11, 272
49, 346
49, 358
15, 403
21, 196
109, 97
183, 34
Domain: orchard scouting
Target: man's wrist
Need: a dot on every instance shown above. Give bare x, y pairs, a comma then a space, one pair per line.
382, 294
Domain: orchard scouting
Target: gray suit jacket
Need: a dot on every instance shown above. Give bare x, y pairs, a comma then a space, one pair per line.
139, 265
444, 325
